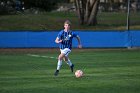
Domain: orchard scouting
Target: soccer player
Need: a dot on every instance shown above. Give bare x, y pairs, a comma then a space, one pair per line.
64, 38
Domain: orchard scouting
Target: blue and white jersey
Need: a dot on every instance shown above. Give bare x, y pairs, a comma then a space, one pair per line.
66, 38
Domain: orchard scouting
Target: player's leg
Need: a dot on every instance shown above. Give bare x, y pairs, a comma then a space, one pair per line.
59, 64
67, 51
60, 57
67, 60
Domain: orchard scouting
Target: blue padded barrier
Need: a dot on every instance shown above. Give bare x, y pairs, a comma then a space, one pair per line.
98, 39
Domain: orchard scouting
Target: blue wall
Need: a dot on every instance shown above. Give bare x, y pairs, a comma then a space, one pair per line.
135, 38
96, 39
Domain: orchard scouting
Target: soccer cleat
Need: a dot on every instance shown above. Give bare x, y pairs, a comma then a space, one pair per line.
56, 72
72, 67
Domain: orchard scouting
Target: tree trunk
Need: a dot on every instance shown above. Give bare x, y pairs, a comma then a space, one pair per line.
78, 9
87, 11
92, 18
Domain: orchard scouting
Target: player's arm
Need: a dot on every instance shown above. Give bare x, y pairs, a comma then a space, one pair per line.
79, 42
57, 40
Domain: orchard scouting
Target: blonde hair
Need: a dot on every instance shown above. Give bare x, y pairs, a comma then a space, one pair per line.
67, 22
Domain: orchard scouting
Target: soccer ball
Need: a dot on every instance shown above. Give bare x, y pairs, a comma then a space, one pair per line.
79, 73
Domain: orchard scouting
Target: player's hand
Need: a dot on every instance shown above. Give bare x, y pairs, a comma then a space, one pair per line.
60, 41
80, 46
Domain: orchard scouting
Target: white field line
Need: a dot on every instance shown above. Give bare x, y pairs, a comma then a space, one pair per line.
33, 55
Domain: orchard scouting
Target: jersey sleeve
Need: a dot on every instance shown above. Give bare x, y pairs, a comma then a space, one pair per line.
59, 35
74, 34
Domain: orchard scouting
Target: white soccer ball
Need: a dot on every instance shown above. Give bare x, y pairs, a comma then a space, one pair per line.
79, 73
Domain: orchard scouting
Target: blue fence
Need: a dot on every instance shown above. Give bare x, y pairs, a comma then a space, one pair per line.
97, 39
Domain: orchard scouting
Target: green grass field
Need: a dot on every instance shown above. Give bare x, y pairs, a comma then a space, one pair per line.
54, 21
105, 71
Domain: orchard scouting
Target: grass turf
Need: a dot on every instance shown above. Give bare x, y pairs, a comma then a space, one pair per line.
105, 71
55, 20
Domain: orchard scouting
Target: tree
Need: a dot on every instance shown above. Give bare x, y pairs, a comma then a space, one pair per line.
134, 5
87, 11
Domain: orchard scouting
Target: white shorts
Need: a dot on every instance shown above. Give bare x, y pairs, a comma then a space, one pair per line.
65, 51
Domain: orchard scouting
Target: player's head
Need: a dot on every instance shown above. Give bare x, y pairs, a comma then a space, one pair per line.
67, 24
